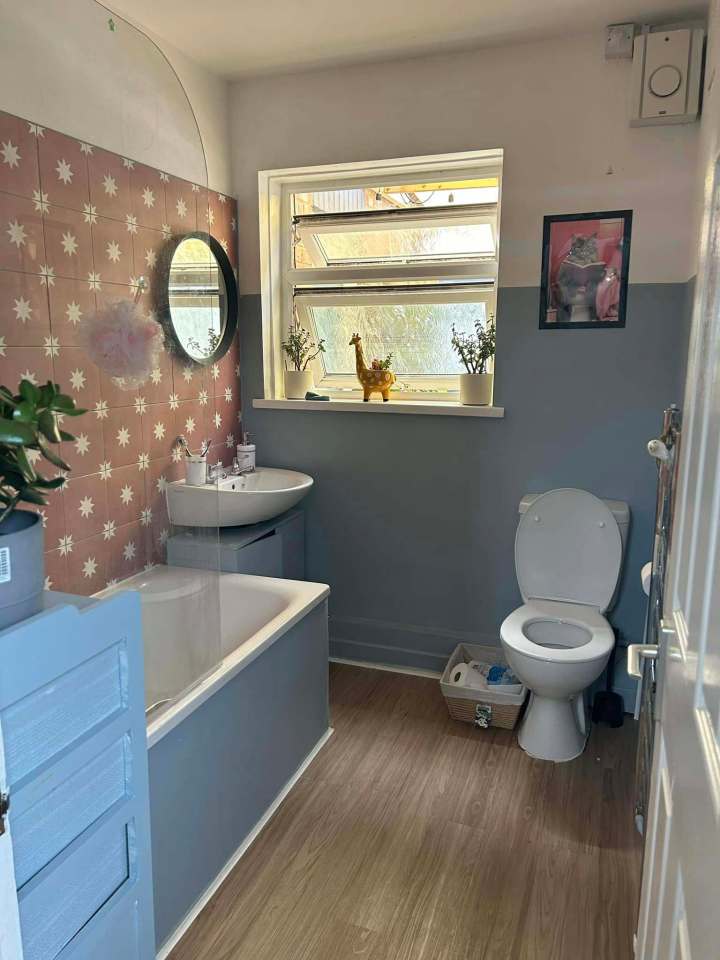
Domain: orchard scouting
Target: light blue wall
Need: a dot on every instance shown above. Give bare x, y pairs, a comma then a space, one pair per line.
412, 519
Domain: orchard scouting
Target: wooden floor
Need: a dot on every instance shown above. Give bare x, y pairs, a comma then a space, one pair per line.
413, 837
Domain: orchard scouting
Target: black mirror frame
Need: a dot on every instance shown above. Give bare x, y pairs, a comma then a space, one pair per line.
162, 300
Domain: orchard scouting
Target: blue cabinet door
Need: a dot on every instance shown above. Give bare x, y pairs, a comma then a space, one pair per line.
73, 725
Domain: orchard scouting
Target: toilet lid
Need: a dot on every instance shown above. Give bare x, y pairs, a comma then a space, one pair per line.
568, 547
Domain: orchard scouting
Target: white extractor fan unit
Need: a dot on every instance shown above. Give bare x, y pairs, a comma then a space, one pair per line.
667, 68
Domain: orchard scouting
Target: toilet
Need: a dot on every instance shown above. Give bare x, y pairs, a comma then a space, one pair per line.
569, 550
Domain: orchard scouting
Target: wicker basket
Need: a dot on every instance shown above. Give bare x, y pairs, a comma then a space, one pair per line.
492, 708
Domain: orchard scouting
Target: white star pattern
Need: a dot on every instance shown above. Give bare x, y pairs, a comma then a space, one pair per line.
23, 310
29, 375
210, 216
82, 444
65, 545
109, 185
223, 244
162, 537
148, 197
113, 251
190, 425
159, 431
64, 171
10, 154
111, 583
187, 374
87, 506
108, 529
135, 283
131, 223
43, 515
129, 551
150, 258
128, 164
73, 313
105, 470
123, 436
89, 213
140, 405
77, 379
47, 276
237, 369
101, 409
164, 177
127, 494
195, 188
146, 517
16, 232
90, 567
176, 454
221, 198
33, 456
69, 244
51, 346
94, 281
203, 398
181, 208
48, 583
143, 461
155, 375
214, 371
230, 441
40, 199
2, 349
233, 224
36, 130
173, 401
217, 420
228, 395
85, 148
161, 483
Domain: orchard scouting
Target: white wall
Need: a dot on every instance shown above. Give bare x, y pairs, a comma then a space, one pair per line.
62, 67
556, 107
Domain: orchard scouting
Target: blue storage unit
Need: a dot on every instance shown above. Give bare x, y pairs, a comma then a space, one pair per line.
73, 725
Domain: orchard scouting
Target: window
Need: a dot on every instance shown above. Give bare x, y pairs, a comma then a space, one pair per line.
399, 252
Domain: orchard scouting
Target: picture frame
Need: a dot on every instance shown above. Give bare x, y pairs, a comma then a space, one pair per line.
584, 272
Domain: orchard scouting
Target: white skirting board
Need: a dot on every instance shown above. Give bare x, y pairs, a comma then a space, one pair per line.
202, 901
389, 667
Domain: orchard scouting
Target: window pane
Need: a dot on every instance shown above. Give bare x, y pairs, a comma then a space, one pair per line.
408, 245
417, 335
398, 196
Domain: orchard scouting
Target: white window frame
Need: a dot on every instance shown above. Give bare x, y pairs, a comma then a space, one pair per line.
278, 276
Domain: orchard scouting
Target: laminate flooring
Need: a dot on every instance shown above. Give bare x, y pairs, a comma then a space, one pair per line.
415, 837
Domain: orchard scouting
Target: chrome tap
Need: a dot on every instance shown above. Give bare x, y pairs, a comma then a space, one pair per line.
216, 472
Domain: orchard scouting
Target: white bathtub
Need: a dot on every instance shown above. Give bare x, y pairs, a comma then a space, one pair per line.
201, 628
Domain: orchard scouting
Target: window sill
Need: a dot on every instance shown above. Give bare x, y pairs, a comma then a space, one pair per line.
423, 407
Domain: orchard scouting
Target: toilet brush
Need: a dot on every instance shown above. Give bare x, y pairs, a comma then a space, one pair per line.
608, 706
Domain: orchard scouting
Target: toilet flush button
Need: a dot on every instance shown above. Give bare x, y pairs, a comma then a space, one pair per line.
601, 523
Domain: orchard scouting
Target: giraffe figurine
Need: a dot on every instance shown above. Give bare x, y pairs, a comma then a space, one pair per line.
372, 380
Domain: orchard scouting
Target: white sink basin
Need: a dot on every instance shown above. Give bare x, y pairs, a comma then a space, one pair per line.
236, 501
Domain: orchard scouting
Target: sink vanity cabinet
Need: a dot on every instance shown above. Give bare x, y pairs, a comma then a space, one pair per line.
273, 548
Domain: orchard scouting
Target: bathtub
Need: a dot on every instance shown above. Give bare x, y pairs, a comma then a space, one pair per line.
236, 693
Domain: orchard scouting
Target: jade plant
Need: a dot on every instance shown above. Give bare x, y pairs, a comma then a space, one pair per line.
29, 421
300, 348
475, 349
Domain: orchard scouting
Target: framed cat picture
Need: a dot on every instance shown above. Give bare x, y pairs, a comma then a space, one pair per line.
584, 277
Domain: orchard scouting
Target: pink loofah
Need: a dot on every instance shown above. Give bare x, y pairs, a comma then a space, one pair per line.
123, 342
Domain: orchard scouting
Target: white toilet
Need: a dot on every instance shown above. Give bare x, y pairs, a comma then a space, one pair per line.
569, 549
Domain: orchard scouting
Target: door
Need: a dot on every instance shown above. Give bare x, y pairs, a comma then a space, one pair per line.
679, 916
10, 943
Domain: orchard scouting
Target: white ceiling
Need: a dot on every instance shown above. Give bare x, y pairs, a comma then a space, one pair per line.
237, 38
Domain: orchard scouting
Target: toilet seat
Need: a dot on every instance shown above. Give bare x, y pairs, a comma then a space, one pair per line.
599, 644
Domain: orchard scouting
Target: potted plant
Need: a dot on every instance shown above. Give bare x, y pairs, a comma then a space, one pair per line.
476, 350
300, 349
29, 421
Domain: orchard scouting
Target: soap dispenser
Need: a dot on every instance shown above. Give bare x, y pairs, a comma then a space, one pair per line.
246, 455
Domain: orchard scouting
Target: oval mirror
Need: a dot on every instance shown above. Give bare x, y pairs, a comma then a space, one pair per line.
198, 297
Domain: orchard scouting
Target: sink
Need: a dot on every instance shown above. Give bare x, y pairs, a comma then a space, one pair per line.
236, 500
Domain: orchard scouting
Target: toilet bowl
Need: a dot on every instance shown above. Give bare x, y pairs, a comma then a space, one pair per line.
568, 556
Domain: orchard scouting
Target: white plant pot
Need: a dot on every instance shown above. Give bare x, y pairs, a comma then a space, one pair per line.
476, 389
297, 383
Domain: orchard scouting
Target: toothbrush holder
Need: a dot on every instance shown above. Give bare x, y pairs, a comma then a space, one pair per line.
196, 470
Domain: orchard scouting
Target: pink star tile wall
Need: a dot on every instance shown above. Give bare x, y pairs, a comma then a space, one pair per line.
78, 226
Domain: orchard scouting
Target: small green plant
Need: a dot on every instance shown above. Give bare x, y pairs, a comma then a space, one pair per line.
300, 348
477, 348
383, 364
29, 420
